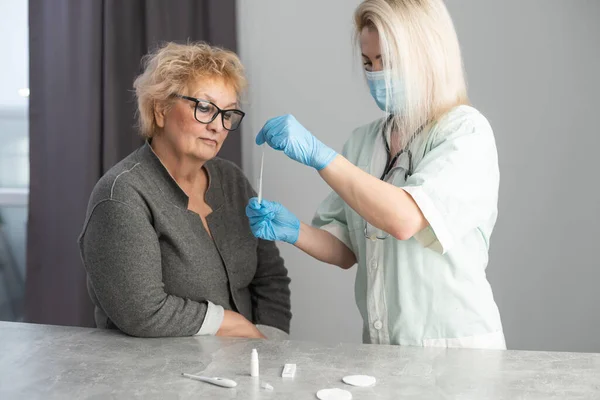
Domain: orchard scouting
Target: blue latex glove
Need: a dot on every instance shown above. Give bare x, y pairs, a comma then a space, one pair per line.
272, 221
287, 134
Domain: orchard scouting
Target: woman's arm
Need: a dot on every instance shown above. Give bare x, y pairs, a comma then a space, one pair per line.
236, 325
272, 221
383, 205
325, 247
270, 289
453, 190
121, 254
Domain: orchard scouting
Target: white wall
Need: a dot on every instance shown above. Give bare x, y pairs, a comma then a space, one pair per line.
299, 58
14, 51
14, 75
533, 70
14, 142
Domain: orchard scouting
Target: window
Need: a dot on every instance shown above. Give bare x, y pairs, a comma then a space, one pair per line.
14, 155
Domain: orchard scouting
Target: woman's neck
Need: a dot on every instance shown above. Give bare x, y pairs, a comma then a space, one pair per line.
186, 171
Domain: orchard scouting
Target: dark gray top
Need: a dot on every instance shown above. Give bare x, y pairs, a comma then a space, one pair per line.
153, 270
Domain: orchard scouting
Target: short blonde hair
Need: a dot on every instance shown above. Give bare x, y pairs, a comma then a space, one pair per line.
172, 67
419, 46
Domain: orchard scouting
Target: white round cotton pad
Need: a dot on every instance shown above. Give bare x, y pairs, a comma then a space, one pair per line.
359, 380
334, 394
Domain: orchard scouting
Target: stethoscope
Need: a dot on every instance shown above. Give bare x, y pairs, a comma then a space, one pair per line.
391, 161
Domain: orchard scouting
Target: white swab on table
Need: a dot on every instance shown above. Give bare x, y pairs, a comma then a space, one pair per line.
260, 177
228, 383
266, 386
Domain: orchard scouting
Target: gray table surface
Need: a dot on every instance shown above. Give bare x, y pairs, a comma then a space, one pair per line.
50, 362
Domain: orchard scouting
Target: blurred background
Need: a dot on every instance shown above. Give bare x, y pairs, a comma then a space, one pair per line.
67, 115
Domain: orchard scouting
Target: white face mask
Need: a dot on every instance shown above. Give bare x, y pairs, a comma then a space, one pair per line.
376, 82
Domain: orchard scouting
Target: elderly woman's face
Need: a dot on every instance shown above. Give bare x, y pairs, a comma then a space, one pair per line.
191, 137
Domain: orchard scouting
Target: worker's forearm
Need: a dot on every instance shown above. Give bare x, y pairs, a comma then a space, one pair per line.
383, 205
325, 247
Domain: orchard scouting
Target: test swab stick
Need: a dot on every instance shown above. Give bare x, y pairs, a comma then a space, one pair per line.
260, 178
228, 383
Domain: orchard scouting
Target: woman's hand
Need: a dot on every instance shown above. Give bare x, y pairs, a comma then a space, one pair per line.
285, 133
236, 325
272, 221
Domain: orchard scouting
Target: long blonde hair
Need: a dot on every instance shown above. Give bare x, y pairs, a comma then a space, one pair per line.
419, 46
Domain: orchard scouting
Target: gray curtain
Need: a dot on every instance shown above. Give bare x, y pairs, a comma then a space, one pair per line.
84, 56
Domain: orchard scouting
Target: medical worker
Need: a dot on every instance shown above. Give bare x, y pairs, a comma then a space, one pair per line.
415, 193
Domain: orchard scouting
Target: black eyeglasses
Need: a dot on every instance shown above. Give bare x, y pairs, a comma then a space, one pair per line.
205, 112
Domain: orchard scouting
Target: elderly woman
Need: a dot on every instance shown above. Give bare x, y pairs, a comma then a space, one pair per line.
166, 245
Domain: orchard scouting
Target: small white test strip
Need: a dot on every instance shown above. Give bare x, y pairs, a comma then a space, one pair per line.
289, 370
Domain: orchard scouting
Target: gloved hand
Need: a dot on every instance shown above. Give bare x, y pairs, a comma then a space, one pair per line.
287, 134
272, 221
